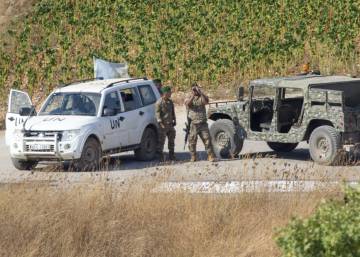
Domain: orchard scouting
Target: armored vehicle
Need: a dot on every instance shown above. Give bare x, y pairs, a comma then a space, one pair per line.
322, 110
83, 121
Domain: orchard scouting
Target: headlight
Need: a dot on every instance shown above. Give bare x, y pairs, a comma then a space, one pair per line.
69, 135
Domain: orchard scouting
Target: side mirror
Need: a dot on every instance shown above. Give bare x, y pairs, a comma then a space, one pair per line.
109, 112
26, 111
241, 94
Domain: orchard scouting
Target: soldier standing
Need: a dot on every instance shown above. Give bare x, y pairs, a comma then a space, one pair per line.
158, 85
198, 127
165, 115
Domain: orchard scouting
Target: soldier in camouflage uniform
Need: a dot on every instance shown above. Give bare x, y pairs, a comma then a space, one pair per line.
158, 85
165, 114
199, 127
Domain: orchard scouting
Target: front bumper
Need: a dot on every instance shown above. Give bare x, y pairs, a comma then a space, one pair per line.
45, 146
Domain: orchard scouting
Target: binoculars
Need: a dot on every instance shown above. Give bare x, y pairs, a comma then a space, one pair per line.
196, 89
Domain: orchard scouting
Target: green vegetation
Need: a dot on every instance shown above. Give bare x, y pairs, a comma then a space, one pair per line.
215, 42
332, 231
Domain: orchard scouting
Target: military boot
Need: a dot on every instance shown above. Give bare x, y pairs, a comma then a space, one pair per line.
212, 158
193, 157
172, 156
161, 157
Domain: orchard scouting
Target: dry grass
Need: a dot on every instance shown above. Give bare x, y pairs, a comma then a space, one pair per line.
10, 10
101, 221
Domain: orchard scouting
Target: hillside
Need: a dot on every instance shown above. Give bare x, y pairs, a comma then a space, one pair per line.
219, 43
12, 10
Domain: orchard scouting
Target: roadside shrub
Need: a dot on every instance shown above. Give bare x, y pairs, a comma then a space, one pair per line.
333, 230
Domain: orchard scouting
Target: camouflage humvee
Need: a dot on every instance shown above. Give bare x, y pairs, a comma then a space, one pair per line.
323, 110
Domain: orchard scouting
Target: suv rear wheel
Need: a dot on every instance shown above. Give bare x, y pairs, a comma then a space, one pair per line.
226, 141
90, 156
282, 147
325, 145
23, 164
148, 145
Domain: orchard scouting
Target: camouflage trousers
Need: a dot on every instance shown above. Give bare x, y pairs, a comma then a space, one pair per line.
202, 130
170, 133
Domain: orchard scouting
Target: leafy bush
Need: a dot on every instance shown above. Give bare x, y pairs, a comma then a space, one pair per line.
332, 231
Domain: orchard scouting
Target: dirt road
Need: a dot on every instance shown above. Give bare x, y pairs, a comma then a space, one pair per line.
257, 162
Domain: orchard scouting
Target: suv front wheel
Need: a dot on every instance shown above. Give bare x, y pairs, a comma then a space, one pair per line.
148, 144
325, 145
90, 156
23, 164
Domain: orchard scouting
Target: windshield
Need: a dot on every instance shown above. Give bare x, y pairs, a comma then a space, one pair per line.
86, 104
263, 91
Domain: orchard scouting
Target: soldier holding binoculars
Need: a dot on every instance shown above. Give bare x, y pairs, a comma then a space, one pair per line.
195, 105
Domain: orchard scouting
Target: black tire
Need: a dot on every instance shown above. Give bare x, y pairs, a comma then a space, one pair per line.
66, 165
148, 144
226, 141
90, 156
282, 147
325, 145
24, 164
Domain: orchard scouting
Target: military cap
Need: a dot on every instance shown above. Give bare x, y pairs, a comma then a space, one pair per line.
165, 89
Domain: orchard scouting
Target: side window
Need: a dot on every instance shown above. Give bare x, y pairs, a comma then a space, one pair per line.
112, 101
131, 99
18, 100
147, 94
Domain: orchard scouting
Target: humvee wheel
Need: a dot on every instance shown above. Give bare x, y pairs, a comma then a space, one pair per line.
148, 144
324, 145
90, 156
23, 164
282, 147
227, 143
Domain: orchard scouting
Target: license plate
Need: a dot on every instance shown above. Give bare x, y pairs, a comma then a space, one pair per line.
39, 147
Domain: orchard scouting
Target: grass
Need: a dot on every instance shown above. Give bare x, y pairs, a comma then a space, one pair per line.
104, 221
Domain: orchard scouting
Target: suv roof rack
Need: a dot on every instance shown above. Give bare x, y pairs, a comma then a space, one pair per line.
79, 81
125, 81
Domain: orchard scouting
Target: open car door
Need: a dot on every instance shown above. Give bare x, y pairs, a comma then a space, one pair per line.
17, 100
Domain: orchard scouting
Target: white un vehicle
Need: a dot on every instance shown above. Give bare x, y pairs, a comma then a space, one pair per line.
83, 121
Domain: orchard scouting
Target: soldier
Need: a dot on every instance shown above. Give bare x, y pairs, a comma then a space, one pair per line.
165, 114
197, 114
158, 85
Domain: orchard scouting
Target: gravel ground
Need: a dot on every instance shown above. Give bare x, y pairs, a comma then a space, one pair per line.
257, 162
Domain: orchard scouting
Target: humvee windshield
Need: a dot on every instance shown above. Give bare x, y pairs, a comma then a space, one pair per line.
263, 91
86, 104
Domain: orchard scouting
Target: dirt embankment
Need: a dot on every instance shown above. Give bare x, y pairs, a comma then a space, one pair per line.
10, 9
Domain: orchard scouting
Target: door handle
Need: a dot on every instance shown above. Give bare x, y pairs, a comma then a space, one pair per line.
11, 119
141, 113
122, 118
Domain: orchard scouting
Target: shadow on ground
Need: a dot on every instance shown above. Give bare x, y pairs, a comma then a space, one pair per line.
128, 161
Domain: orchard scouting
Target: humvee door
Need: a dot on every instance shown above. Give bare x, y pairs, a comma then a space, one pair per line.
275, 114
262, 103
